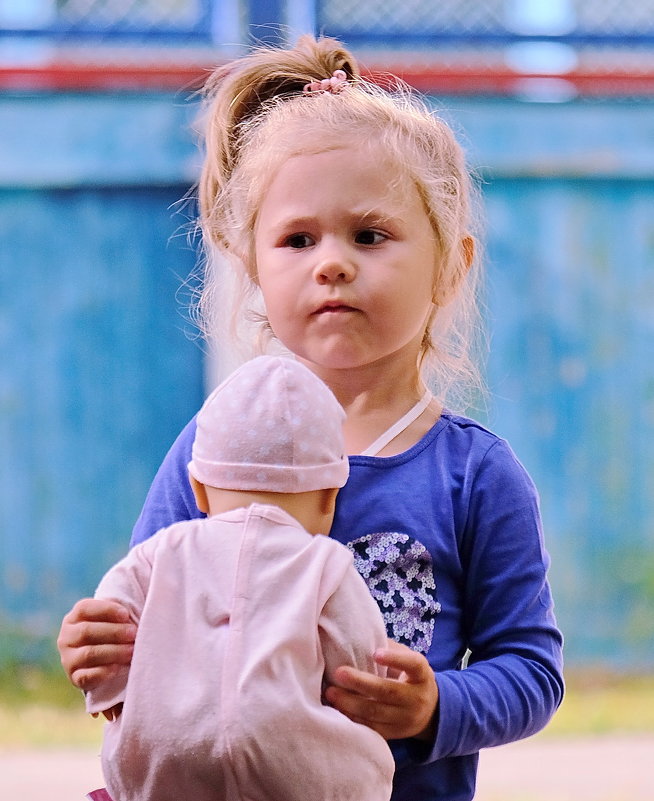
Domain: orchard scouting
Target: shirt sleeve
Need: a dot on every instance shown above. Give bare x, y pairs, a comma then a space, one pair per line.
513, 683
126, 582
170, 498
351, 627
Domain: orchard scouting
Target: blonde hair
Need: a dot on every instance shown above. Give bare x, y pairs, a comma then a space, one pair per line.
256, 116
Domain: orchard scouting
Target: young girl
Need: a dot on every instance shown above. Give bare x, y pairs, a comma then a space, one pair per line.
346, 210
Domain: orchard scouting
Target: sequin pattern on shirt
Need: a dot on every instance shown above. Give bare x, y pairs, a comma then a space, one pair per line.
399, 573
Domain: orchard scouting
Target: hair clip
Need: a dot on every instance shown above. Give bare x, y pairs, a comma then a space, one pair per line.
334, 85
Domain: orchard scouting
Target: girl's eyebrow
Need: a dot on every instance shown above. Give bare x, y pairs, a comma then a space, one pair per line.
294, 222
360, 217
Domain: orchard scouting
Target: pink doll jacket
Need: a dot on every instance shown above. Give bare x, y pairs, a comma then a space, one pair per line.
241, 617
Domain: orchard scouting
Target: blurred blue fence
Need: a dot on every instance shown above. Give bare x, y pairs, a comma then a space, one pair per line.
368, 22
99, 368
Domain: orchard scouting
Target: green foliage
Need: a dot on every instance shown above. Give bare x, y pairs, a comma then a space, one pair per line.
23, 685
40, 708
604, 703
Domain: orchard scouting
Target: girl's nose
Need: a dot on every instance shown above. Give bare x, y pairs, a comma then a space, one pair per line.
334, 266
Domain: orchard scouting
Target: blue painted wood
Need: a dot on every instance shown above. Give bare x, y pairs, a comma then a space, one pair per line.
97, 377
568, 193
584, 138
97, 374
572, 379
265, 19
98, 370
73, 140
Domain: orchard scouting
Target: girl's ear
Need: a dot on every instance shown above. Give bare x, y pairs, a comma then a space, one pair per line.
442, 295
468, 247
200, 493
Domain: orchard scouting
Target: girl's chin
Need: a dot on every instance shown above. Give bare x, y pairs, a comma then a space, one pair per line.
333, 359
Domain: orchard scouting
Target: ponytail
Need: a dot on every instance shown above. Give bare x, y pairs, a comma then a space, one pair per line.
236, 92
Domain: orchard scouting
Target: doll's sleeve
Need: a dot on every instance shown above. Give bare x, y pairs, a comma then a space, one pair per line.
351, 627
126, 582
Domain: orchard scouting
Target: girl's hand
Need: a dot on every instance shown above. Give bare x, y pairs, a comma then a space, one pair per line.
403, 705
96, 639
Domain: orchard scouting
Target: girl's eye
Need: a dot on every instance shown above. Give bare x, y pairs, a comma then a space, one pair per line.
298, 241
369, 237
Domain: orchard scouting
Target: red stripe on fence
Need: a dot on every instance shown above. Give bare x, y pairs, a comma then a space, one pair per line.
435, 79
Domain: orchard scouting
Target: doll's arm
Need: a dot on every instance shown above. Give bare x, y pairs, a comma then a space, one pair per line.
126, 583
351, 628
371, 679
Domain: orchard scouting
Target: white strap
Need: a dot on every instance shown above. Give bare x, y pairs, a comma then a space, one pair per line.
401, 425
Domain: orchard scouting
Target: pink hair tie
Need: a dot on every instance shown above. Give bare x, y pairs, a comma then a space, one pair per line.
334, 85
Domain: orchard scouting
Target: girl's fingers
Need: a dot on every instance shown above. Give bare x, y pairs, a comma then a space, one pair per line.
394, 707
92, 621
360, 682
96, 639
367, 696
99, 610
411, 666
357, 707
401, 659
98, 665
86, 679
92, 656
84, 664
90, 633
389, 721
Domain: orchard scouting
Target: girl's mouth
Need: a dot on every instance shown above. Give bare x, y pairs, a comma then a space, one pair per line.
334, 307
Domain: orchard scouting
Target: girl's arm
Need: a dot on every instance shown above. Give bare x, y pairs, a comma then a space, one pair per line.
514, 680
170, 498
96, 637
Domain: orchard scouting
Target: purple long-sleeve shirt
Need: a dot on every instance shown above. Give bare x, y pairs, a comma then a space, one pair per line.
447, 535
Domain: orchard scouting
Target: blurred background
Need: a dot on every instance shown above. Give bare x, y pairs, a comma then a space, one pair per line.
101, 366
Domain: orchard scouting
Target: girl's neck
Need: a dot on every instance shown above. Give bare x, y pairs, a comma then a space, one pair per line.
365, 424
374, 400
392, 380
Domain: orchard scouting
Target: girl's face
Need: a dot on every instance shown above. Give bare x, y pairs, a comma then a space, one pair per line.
346, 258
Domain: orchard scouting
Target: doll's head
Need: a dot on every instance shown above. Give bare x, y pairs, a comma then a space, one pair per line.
258, 115
271, 426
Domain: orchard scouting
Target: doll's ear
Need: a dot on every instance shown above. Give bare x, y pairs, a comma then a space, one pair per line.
200, 493
328, 500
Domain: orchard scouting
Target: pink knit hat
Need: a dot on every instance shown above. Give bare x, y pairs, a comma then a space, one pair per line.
274, 426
